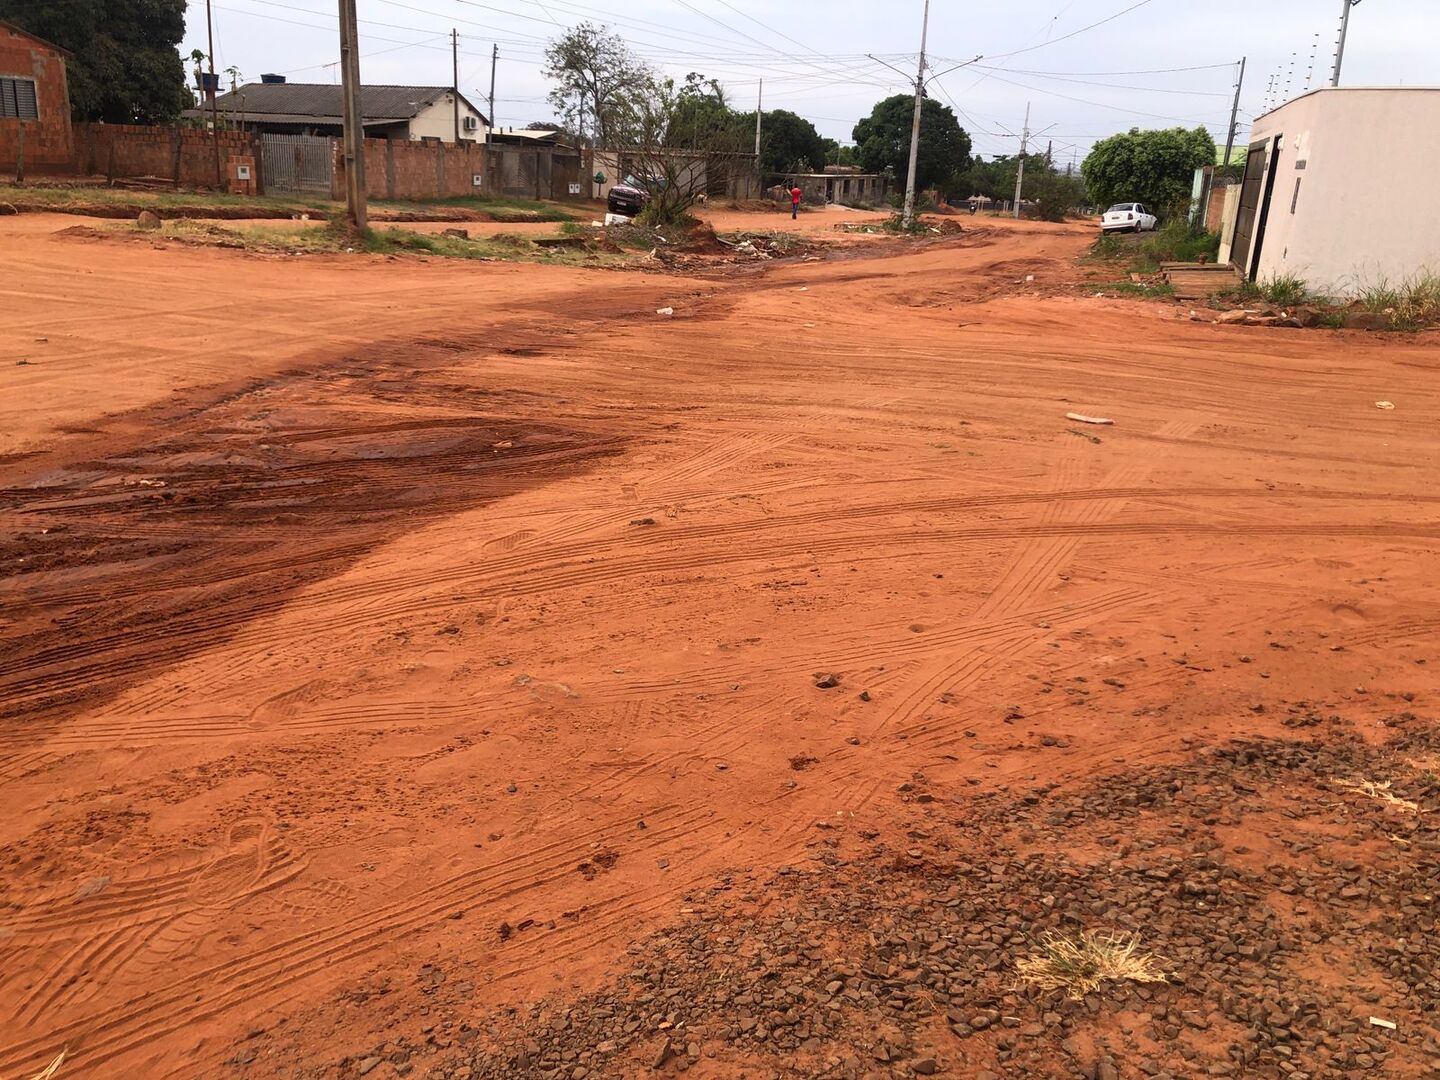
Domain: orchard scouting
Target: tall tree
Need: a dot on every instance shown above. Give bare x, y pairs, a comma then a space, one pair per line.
125, 68
600, 84
789, 143
697, 110
1156, 168
883, 140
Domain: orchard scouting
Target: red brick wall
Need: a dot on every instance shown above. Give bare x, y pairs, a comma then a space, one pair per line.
184, 155
420, 170
47, 140
1216, 210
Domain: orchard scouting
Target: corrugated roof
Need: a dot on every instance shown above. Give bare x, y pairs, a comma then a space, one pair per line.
323, 102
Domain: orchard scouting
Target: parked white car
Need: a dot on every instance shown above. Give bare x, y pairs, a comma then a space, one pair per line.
1128, 217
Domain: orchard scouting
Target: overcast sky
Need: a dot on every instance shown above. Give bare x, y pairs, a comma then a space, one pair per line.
1084, 81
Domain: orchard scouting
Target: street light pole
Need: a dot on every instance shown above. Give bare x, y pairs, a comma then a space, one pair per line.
210, 93
1020, 171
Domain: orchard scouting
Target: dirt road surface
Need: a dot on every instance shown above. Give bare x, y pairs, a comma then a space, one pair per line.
403, 659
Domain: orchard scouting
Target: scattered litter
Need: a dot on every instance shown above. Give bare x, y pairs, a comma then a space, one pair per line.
54, 1067
597, 224
804, 288
665, 311
616, 219
1384, 405
1388, 1025
1082, 419
1029, 278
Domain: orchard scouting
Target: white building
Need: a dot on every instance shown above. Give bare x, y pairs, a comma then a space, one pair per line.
387, 112
1339, 190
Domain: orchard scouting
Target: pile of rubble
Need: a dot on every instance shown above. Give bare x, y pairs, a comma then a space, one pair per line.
1286, 888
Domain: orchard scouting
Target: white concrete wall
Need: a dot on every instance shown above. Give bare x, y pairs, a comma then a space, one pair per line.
438, 122
1368, 163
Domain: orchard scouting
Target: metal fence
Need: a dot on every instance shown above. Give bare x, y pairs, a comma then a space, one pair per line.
297, 164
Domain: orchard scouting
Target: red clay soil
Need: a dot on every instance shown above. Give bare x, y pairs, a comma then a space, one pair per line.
425, 668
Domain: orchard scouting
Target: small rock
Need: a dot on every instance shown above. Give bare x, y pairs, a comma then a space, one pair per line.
826, 680
925, 1067
864, 695
664, 1054
457, 234
150, 221
370, 1062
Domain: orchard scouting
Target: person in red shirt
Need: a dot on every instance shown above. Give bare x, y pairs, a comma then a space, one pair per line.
795, 194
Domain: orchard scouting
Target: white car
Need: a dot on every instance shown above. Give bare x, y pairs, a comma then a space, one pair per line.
1128, 217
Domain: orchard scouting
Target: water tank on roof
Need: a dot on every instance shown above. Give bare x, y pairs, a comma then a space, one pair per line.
272, 78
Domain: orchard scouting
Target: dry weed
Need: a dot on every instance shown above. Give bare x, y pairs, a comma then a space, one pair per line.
1080, 965
1379, 790
51, 1069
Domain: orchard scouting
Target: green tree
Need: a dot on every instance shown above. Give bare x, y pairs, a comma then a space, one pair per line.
789, 143
124, 67
1054, 194
883, 140
837, 154
1156, 168
601, 86
698, 110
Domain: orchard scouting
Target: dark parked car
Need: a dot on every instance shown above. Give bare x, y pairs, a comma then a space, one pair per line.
630, 197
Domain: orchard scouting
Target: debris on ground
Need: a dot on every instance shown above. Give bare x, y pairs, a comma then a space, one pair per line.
1384, 405
1081, 418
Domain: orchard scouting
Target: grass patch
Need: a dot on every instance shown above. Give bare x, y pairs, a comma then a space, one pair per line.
1159, 290
1175, 241
1081, 965
1411, 304
338, 239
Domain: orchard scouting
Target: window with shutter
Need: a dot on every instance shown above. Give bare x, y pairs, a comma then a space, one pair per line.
18, 100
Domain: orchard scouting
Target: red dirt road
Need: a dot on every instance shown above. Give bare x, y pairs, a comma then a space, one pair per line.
353, 607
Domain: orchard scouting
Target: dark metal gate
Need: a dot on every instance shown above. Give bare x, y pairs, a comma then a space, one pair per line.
296, 164
1254, 201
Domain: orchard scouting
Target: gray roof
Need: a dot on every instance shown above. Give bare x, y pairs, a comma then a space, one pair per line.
321, 102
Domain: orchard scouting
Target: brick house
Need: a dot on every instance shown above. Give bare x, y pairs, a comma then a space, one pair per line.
35, 95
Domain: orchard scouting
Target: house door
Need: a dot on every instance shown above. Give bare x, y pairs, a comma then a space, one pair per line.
296, 164
1250, 218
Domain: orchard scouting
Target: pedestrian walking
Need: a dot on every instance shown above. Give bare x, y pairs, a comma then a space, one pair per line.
795, 194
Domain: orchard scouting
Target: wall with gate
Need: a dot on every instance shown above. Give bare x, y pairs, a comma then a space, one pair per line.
296, 164
523, 172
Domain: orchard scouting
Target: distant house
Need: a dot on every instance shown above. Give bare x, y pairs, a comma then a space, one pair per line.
34, 96
844, 187
407, 113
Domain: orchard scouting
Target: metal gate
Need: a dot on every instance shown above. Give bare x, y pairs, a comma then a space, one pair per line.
297, 164
1254, 201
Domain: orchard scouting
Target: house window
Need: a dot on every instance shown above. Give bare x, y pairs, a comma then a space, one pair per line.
17, 99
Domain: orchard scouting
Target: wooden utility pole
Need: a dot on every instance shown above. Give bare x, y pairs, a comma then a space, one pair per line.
353, 121
455, 79
210, 93
494, 61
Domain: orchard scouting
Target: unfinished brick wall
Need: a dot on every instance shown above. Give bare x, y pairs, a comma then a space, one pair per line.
180, 154
396, 169
47, 141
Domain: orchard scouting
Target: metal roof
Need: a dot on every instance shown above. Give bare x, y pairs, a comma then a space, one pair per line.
321, 102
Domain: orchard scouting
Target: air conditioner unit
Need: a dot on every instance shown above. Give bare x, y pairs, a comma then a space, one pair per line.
472, 123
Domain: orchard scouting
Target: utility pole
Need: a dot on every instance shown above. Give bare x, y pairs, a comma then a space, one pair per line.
210, 93
759, 102
1346, 5
494, 60
455, 78
909, 216
354, 125
1234, 116
1020, 172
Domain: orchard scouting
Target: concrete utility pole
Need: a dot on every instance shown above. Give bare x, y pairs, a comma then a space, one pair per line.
1020, 172
455, 78
909, 217
354, 124
759, 102
1234, 116
210, 93
494, 60
1345, 6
